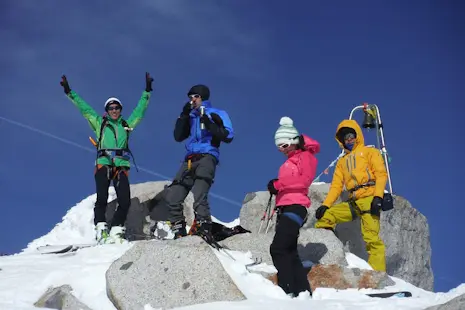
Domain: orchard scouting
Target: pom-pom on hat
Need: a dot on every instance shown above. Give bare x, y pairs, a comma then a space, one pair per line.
286, 133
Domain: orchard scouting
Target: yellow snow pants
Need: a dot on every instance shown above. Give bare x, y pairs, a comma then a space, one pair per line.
370, 226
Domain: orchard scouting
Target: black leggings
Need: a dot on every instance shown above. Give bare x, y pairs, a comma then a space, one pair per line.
291, 273
103, 177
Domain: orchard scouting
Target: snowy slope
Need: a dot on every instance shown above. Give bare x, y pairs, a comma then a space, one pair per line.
26, 275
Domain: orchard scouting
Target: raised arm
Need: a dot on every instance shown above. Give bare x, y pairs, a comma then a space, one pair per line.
138, 113
86, 110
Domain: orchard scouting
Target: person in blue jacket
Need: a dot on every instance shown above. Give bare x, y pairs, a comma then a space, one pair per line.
204, 128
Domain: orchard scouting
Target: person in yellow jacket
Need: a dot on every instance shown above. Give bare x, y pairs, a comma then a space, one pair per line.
362, 172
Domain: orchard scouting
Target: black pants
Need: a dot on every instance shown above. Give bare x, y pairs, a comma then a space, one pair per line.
197, 179
291, 273
103, 176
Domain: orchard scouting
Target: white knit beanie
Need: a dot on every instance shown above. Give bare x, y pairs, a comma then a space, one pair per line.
286, 133
113, 100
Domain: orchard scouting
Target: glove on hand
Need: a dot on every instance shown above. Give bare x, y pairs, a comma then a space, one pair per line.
320, 212
148, 82
206, 120
64, 83
271, 188
376, 205
186, 110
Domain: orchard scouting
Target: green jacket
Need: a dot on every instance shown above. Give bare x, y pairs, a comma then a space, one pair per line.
109, 141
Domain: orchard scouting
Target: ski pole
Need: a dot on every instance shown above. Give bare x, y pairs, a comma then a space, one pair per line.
268, 206
269, 220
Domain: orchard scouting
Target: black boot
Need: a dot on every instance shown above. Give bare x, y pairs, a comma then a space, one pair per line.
179, 229
204, 230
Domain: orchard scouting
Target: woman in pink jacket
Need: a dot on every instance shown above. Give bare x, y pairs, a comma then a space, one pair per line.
292, 201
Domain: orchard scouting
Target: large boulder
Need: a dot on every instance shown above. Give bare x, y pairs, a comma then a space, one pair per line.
404, 231
315, 245
147, 207
168, 274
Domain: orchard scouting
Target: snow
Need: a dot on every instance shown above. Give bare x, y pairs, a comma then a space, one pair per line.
25, 276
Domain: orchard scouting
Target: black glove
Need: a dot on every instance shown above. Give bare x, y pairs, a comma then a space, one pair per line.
148, 82
376, 205
320, 212
301, 144
215, 126
271, 188
206, 121
186, 110
64, 83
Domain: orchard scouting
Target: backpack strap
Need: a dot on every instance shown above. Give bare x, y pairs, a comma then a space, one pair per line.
102, 127
128, 131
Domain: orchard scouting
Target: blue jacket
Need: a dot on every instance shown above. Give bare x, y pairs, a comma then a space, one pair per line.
204, 141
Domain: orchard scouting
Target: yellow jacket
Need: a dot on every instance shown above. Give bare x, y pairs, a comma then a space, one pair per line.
357, 167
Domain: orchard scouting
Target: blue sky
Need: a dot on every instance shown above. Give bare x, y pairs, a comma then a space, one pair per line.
312, 60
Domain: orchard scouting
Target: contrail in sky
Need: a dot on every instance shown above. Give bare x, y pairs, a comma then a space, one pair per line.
92, 150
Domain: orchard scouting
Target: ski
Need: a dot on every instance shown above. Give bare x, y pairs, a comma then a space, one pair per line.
64, 248
391, 294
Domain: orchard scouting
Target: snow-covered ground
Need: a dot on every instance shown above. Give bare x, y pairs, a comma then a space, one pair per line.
25, 276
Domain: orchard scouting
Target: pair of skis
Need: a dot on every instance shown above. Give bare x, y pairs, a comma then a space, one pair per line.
63, 248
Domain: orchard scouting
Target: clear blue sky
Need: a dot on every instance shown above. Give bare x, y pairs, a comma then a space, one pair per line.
310, 60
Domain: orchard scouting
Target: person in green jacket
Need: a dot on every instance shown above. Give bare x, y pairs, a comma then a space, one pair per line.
113, 155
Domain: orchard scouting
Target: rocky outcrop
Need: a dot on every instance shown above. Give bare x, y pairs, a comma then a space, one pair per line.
60, 298
167, 274
458, 303
339, 277
404, 231
148, 206
316, 245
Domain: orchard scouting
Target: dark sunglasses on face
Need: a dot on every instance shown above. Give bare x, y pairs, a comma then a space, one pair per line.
284, 146
194, 96
114, 108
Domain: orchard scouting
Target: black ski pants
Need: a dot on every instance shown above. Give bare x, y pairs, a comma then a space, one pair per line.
291, 273
120, 177
196, 177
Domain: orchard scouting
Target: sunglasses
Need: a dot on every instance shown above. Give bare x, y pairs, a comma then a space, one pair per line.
194, 96
349, 136
284, 146
114, 108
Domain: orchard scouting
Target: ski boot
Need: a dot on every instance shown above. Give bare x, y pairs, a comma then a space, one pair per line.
162, 230
203, 229
101, 233
179, 229
117, 235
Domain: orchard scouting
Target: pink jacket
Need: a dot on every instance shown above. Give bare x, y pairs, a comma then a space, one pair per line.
296, 175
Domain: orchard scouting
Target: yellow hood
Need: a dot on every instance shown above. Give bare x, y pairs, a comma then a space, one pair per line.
359, 140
